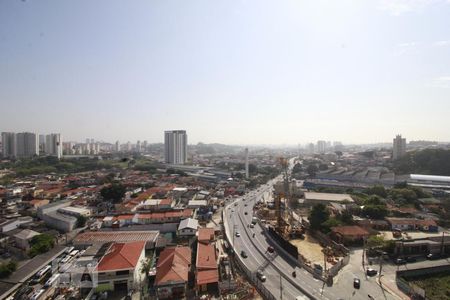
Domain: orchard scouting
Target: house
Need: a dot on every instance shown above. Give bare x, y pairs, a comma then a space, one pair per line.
313, 198
188, 227
23, 238
410, 224
349, 234
121, 267
172, 272
207, 273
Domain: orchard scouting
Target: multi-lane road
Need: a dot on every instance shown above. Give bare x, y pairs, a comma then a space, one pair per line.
237, 219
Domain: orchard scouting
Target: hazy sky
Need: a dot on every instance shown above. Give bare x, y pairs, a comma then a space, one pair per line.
238, 72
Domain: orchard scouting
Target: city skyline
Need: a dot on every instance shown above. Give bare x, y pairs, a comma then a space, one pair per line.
242, 72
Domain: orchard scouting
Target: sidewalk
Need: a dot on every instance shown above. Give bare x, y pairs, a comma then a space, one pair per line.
389, 284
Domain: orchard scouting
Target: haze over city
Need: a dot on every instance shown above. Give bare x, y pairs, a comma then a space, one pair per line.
235, 72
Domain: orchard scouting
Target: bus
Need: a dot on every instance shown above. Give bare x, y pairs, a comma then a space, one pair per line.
74, 252
52, 281
68, 250
42, 274
37, 294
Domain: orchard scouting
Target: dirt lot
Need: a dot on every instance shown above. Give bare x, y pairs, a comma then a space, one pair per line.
310, 249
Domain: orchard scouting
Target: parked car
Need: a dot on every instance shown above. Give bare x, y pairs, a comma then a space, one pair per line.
433, 256
356, 283
244, 254
411, 259
371, 272
400, 261
252, 225
270, 249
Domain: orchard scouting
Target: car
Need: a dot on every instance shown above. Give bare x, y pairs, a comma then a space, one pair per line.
411, 259
245, 204
244, 254
356, 283
432, 256
235, 204
252, 225
371, 272
245, 213
261, 275
238, 234
270, 249
400, 261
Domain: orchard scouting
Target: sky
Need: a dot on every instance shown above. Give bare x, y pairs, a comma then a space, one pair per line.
233, 72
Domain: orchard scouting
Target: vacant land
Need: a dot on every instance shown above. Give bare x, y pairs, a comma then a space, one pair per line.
436, 287
310, 249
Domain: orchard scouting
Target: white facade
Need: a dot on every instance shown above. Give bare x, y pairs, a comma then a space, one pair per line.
399, 147
321, 146
9, 144
175, 147
27, 144
53, 145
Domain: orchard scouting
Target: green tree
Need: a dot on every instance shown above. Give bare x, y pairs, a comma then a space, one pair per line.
7, 269
41, 243
330, 223
319, 214
375, 241
114, 192
312, 170
375, 211
378, 190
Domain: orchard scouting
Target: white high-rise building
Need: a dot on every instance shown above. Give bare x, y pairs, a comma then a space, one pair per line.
27, 144
53, 145
311, 148
175, 146
399, 147
246, 163
117, 146
9, 144
138, 147
321, 146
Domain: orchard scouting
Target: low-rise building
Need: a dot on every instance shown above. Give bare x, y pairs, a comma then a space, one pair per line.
349, 235
172, 272
23, 238
410, 224
313, 198
188, 227
121, 267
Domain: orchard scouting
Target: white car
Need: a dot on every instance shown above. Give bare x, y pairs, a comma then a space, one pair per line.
238, 234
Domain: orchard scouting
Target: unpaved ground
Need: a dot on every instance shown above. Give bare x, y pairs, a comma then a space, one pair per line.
310, 249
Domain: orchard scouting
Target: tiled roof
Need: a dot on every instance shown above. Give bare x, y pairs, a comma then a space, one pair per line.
173, 265
206, 256
207, 276
205, 234
121, 256
115, 236
350, 230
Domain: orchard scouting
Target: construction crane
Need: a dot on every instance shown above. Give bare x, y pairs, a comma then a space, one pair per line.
282, 225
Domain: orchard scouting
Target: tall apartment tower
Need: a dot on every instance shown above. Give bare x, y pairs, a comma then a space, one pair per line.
246, 163
9, 144
27, 144
175, 147
117, 146
398, 147
321, 146
53, 145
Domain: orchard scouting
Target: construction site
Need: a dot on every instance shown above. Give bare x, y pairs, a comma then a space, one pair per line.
282, 215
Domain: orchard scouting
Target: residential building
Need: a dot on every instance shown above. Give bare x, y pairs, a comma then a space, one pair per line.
27, 144
312, 198
411, 224
175, 146
121, 267
9, 144
117, 146
349, 235
399, 147
188, 227
207, 273
53, 145
90, 238
172, 272
52, 217
23, 238
321, 146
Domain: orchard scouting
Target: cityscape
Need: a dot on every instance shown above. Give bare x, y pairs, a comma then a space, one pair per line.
225, 150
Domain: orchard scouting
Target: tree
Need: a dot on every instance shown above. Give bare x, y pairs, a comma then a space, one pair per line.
81, 221
7, 269
378, 190
312, 170
41, 243
375, 241
346, 217
297, 168
114, 192
330, 223
375, 211
318, 215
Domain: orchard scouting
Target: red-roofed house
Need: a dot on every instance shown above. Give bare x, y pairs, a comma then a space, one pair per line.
349, 234
207, 274
120, 267
172, 272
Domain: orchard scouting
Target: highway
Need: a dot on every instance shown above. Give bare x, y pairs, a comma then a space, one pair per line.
276, 265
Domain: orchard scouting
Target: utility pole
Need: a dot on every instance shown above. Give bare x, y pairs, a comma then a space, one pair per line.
380, 260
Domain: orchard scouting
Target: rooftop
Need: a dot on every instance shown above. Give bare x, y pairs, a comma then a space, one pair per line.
173, 265
121, 256
349, 230
328, 197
